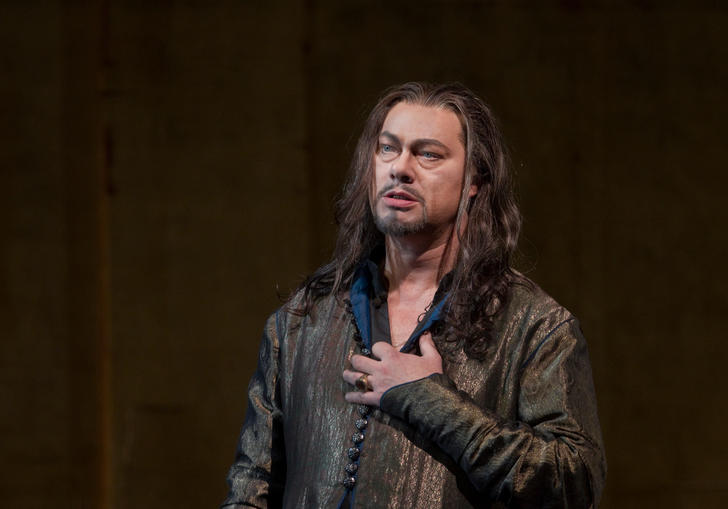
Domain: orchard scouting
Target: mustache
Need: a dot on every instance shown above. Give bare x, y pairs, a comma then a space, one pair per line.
403, 187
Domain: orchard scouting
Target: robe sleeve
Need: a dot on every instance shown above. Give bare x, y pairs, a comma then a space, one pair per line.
257, 476
550, 457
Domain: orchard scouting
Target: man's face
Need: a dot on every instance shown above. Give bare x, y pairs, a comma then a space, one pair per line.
419, 166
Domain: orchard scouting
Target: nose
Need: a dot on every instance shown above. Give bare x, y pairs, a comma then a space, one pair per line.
401, 169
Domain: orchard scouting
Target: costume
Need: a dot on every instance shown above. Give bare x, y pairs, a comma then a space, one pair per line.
518, 429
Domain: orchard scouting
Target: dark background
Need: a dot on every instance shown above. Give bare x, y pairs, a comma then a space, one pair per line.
168, 167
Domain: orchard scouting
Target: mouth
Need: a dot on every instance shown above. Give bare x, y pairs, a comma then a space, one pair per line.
400, 195
399, 199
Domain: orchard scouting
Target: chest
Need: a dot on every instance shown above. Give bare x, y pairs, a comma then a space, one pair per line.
404, 317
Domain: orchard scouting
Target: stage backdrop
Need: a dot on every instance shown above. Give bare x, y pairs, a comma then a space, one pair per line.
169, 169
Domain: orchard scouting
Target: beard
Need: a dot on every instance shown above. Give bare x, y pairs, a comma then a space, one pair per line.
389, 224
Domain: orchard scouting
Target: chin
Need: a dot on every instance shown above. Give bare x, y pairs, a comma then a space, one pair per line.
397, 228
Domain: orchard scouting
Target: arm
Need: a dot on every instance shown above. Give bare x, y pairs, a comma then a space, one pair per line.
257, 476
550, 457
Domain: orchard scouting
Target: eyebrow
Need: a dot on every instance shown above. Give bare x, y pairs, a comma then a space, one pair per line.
416, 143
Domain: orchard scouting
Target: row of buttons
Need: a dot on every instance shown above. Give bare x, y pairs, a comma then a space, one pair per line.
361, 423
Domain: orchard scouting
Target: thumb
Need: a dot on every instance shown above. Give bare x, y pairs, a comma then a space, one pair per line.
427, 346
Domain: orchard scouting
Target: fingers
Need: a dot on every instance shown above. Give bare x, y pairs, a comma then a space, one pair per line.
363, 398
365, 364
351, 376
427, 346
382, 349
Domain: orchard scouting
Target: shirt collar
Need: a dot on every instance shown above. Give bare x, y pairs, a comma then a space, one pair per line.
369, 283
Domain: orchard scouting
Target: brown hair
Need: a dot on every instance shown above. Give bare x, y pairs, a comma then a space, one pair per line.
482, 274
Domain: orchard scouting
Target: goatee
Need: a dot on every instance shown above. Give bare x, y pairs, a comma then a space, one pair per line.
390, 225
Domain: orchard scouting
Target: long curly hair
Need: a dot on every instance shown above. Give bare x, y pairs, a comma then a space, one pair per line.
482, 276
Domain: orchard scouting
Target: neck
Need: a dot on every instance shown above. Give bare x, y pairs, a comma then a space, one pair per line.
414, 264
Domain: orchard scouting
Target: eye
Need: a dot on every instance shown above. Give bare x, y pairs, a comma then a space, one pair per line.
431, 156
387, 151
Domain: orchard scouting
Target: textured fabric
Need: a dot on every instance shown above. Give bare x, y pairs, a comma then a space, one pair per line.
518, 429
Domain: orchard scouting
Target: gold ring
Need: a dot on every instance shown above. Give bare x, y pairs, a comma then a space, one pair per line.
362, 383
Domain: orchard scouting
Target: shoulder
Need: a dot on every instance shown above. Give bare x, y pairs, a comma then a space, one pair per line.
528, 300
293, 314
534, 318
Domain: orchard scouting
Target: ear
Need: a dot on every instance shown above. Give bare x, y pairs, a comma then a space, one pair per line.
475, 183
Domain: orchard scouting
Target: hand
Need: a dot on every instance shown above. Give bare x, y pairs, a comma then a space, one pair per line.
392, 368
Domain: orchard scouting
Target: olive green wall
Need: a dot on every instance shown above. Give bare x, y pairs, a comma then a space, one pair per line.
169, 167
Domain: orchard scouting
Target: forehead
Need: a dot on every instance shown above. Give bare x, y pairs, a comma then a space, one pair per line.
414, 121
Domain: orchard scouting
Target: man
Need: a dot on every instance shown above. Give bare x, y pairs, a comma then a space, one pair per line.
473, 387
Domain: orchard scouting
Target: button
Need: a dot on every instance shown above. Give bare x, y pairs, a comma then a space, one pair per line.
361, 424
351, 468
349, 483
357, 438
353, 453
364, 410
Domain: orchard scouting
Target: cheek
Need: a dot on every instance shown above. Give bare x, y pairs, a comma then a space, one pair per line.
446, 199
377, 181
372, 195
455, 189
377, 175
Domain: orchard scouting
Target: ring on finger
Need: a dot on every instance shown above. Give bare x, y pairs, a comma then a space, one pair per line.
362, 383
